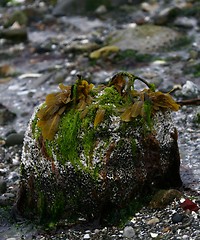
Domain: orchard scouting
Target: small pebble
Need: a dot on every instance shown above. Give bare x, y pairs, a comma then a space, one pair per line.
153, 221
86, 236
129, 232
176, 217
154, 235
14, 139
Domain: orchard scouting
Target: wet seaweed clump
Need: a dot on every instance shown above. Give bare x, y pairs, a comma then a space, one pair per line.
79, 96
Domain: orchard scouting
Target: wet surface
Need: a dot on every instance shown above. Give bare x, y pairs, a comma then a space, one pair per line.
58, 49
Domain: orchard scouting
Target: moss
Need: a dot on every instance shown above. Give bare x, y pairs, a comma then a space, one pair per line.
68, 149
19, 17
68, 146
133, 55
88, 134
58, 205
110, 96
41, 206
163, 197
134, 148
180, 43
35, 130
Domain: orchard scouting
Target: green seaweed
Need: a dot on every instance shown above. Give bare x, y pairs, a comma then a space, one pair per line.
66, 141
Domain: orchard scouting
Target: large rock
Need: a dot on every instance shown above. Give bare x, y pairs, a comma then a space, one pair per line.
146, 38
98, 161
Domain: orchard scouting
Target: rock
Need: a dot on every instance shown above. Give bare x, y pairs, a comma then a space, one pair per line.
166, 15
15, 35
128, 232
97, 162
154, 235
14, 139
145, 38
190, 90
6, 116
176, 218
164, 197
186, 22
86, 236
153, 221
101, 9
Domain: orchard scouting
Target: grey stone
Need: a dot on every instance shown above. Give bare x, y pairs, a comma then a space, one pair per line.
145, 38
128, 232
14, 139
190, 90
176, 217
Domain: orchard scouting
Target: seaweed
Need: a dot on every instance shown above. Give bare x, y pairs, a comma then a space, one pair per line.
131, 103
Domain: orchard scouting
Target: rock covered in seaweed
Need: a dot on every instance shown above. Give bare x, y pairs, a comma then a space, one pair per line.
105, 153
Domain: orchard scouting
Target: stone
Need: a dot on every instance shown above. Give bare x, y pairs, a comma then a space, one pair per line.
14, 34
14, 139
153, 221
164, 197
96, 164
154, 235
86, 236
176, 218
190, 90
128, 232
147, 38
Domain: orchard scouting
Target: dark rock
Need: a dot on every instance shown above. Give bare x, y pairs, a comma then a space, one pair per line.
176, 218
14, 139
164, 197
15, 35
6, 116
